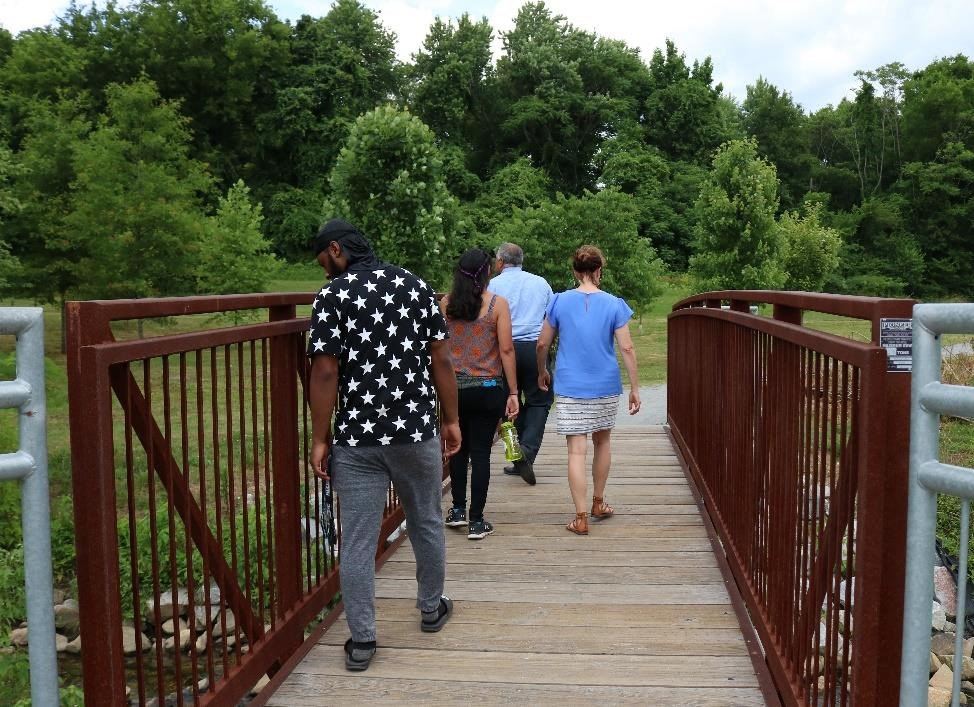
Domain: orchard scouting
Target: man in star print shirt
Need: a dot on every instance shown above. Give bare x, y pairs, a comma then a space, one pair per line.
378, 341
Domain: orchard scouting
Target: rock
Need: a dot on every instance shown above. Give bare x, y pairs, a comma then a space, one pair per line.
18, 637
203, 685
852, 595
74, 647
60, 643
129, 646
944, 590
231, 624
215, 595
201, 644
939, 617
171, 628
837, 649
937, 697
934, 663
967, 686
168, 608
944, 679
967, 666
261, 684
969, 647
949, 626
942, 643
59, 596
182, 641
67, 620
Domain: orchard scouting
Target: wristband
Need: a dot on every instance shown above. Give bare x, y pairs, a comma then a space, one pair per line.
514, 393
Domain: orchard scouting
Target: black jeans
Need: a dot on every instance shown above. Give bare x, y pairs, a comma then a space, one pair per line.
480, 411
535, 402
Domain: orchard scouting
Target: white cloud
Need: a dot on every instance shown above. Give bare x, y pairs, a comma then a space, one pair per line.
810, 49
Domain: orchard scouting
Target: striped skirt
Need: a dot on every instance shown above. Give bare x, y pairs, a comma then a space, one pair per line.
579, 416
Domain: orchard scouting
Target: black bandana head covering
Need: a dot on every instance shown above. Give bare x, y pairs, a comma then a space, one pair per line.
354, 245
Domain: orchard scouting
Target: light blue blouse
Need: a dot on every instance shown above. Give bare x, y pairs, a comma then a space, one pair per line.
586, 365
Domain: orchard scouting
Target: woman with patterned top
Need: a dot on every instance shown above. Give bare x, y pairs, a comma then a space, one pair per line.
482, 350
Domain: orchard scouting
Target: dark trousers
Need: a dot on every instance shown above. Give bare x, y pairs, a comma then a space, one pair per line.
535, 402
480, 411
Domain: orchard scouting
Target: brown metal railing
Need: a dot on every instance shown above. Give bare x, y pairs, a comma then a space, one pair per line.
797, 441
193, 501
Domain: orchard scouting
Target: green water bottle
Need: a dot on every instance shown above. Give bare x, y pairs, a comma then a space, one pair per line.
512, 447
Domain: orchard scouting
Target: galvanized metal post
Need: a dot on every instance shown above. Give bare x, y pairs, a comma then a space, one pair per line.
29, 464
927, 478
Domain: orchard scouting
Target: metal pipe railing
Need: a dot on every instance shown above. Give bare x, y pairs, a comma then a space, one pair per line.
929, 477
29, 465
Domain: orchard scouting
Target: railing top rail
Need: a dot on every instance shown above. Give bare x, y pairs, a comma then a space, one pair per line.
868, 308
149, 307
856, 353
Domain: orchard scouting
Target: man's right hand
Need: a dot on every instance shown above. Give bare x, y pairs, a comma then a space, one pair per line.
450, 432
319, 459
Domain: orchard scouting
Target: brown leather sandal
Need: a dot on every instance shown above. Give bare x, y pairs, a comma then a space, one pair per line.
601, 509
579, 524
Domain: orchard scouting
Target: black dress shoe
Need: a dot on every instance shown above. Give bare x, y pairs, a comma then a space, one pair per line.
511, 471
526, 471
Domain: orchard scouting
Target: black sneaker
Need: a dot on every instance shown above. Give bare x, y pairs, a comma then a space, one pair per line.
511, 471
526, 471
479, 529
457, 517
358, 655
435, 620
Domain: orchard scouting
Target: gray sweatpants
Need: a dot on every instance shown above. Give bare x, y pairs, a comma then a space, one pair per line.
361, 477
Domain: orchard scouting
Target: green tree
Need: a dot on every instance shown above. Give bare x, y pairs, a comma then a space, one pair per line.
938, 107
778, 124
518, 185
343, 64
879, 255
551, 232
738, 244
663, 192
224, 61
562, 91
810, 248
449, 80
234, 256
9, 205
135, 211
941, 212
683, 114
388, 181
46, 250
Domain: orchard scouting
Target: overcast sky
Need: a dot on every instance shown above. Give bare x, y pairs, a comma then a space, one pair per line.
809, 49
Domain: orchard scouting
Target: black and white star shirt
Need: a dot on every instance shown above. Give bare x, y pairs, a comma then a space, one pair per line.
380, 324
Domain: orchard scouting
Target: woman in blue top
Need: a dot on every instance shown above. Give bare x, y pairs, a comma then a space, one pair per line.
587, 381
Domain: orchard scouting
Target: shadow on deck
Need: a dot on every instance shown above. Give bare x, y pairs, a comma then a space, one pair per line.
636, 612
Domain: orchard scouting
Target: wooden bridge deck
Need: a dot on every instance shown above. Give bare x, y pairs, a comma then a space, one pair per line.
636, 612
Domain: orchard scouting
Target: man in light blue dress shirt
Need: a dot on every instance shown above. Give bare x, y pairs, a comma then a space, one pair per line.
528, 296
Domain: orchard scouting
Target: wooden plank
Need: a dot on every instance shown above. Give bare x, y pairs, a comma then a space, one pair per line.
635, 616
564, 639
547, 593
677, 517
543, 668
577, 574
650, 535
489, 554
636, 612
313, 690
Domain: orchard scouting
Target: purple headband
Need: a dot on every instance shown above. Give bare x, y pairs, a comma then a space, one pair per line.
476, 274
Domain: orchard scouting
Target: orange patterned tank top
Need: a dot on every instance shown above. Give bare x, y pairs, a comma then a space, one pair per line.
473, 345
